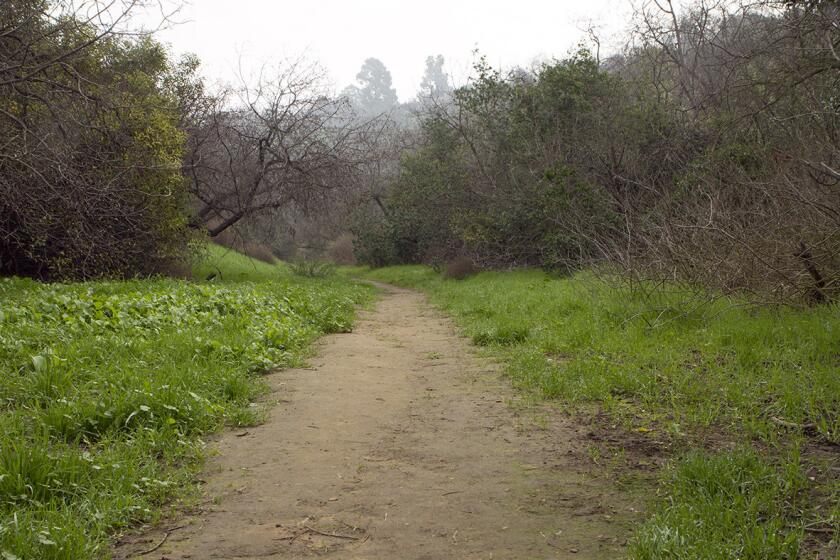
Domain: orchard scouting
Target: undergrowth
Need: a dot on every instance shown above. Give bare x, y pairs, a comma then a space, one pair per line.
108, 387
746, 398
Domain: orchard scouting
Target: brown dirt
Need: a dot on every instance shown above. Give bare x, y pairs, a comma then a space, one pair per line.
398, 442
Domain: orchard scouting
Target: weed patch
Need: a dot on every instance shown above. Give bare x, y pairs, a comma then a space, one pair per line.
108, 388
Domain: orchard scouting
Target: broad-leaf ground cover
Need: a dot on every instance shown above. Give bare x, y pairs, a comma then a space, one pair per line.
108, 387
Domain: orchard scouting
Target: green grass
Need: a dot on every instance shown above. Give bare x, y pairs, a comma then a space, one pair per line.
107, 389
721, 382
230, 266
727, 505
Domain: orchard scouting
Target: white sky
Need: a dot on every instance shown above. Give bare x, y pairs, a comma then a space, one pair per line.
341, 34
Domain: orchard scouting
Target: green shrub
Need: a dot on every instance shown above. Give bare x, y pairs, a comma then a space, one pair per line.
93, 190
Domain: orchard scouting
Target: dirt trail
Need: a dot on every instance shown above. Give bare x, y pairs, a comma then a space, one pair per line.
397, 443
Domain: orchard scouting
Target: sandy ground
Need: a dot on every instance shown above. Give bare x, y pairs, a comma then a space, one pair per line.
398, 443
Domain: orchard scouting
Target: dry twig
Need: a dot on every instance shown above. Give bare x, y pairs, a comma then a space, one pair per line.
162, 541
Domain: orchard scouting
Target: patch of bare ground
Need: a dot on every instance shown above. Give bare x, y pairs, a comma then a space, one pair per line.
399, 442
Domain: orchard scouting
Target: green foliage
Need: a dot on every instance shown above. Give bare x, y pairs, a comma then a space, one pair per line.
375, 244
554, 224
108, 388
419, 219
93, 186
720, 177
686, 369
487, 184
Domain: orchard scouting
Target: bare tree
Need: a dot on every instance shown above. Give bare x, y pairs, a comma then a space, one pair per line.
262, 147
756, 82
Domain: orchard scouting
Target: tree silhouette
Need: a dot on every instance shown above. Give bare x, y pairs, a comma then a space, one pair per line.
374, 94
435, 83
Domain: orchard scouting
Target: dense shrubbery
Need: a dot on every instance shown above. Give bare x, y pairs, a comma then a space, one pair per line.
707, 152
482, 184
113, 155
107, 388
90, 173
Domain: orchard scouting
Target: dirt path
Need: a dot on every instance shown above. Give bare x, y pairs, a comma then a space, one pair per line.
396, 444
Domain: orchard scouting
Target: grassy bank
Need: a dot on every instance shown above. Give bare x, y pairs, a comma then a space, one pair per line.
108, 387
743, 403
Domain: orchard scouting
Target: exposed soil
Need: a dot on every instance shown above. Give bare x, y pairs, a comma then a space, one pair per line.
398, 443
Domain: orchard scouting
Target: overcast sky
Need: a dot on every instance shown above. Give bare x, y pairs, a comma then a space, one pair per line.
341, 34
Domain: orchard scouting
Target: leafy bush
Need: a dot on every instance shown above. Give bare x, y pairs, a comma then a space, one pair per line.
380, 241
492, 187
579, 161
88, 189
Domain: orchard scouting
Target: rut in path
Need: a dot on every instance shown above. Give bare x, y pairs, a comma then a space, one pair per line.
396, 444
